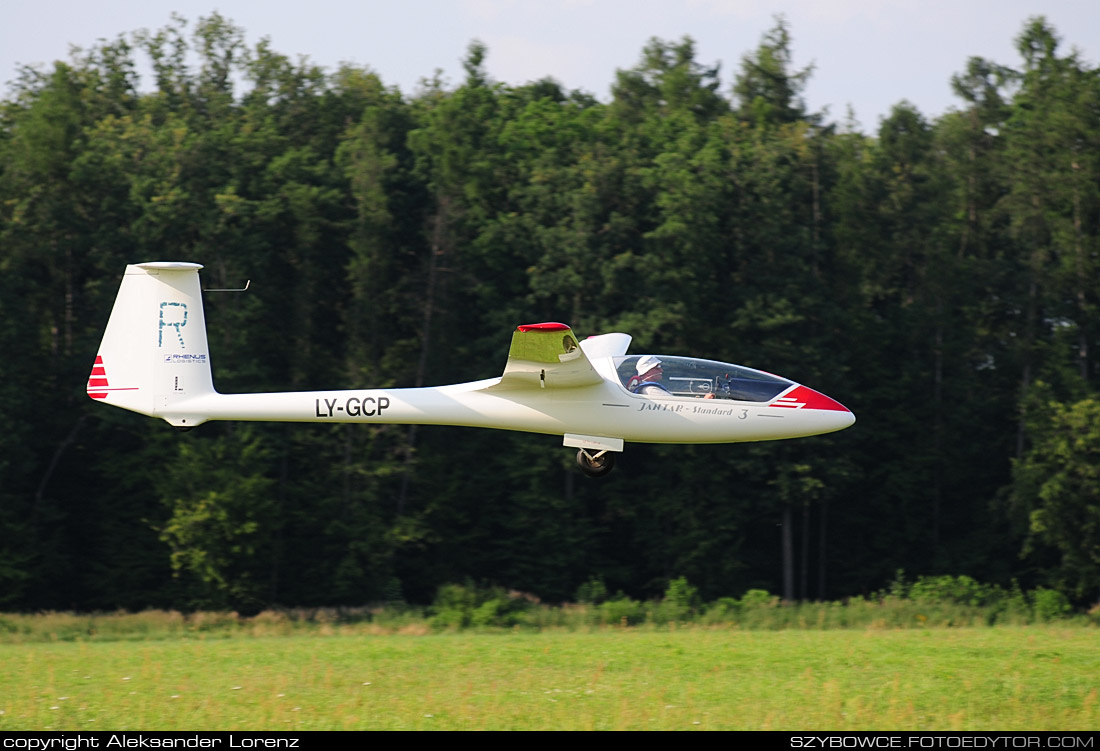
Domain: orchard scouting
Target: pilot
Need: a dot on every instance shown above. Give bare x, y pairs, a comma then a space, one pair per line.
648, 379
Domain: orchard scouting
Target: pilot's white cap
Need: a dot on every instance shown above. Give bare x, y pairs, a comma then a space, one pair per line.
647, 363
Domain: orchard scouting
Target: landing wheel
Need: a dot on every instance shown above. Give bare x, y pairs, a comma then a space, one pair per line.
597, 464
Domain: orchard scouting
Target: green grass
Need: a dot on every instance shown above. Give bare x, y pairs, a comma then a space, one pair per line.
1004, 678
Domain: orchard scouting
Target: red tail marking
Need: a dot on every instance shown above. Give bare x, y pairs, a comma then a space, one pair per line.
98, 383
98, 386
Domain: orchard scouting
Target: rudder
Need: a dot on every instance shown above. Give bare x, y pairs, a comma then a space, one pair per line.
154, 352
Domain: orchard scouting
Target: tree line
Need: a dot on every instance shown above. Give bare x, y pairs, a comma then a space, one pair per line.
939, 277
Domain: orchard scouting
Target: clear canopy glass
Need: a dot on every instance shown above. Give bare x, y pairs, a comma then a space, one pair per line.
690, 377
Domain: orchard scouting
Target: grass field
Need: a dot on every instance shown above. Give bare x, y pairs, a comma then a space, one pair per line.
1005, 678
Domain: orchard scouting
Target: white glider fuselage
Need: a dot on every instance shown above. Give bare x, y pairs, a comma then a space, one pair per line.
602, 410
154, 360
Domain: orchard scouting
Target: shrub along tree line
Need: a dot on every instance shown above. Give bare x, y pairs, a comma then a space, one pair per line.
938, 276
927, 602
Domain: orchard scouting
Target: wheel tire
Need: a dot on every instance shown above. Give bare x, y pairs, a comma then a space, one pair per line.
595, 467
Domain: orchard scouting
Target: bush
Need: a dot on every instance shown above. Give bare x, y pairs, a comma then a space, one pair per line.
488, 613
722, 610
758, 598
621, 611
453, 606
680, 603
461, 605
954, 590
1049, 604
592, 592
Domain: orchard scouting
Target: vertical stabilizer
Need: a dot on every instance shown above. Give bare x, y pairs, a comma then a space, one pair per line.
154, 352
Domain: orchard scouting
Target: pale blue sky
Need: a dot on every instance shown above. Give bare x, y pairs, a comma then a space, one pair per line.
869, 54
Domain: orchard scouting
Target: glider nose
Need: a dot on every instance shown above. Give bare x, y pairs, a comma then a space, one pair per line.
840, 417
828, 413
845, 419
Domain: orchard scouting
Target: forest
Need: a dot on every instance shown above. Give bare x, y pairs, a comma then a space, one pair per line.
937, 276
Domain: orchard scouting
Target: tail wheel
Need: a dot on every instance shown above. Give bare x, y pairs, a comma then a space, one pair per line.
595, 464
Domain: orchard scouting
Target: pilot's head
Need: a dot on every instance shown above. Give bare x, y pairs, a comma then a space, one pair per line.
649, 368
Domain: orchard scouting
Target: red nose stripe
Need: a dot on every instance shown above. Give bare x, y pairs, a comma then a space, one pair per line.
807, 398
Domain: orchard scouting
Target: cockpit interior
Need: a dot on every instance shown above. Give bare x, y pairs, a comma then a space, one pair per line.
693, 378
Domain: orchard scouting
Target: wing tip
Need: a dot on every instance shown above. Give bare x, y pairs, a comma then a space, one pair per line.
549, 326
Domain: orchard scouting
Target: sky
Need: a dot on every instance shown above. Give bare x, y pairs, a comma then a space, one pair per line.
867, 55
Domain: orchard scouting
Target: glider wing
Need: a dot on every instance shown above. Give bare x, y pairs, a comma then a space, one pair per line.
546, 356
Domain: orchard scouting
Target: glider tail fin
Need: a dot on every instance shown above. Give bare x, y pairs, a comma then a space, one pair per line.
154, 355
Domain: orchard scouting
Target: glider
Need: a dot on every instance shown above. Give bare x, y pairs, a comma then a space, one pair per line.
154, 360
